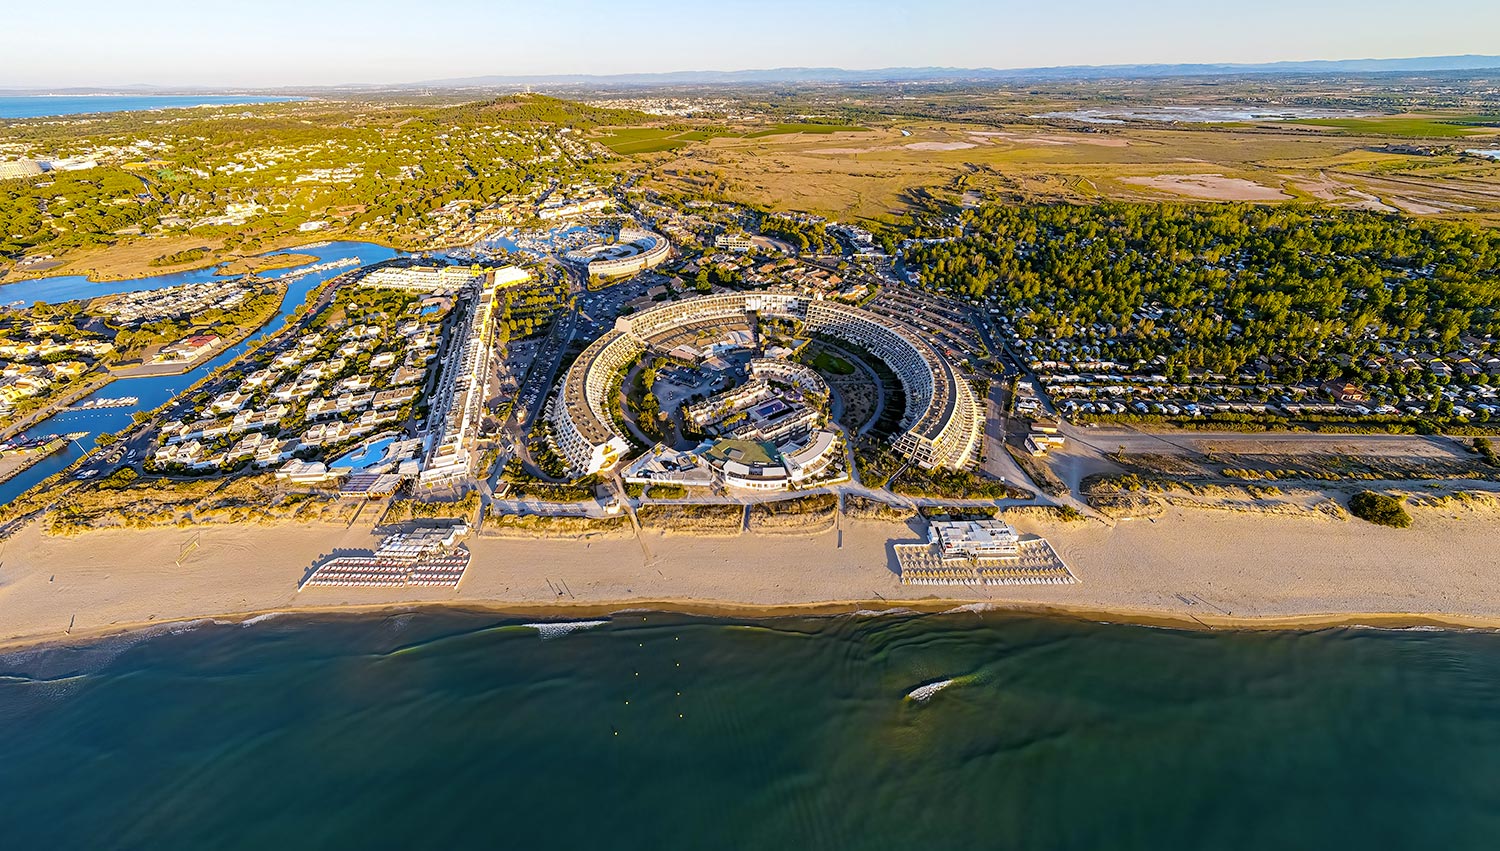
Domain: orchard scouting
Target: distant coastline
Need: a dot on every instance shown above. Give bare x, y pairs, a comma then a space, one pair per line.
52, 106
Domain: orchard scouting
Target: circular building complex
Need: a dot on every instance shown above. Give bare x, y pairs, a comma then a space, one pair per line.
941, 426
635, 251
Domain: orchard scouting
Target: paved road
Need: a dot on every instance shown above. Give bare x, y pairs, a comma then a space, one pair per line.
1109, 439
997, 461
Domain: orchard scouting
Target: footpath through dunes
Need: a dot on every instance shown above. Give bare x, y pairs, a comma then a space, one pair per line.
1185, 565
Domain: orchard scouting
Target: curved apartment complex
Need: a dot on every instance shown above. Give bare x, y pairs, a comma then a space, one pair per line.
636, 251
943, 422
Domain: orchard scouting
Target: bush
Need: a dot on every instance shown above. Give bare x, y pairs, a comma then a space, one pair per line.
1486, 451
667, 491
1380, 509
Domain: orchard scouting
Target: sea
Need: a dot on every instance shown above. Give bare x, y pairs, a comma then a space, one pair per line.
641, 730
43, 106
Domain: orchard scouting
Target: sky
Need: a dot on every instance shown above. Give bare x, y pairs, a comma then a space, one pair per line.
248, 43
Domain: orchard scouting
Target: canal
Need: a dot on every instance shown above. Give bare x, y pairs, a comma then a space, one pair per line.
154, 391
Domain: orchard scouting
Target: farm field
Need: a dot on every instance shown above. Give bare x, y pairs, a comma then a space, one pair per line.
1411, 126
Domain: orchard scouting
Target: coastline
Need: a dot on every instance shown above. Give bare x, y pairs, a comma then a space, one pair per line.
563, 612
1193, 569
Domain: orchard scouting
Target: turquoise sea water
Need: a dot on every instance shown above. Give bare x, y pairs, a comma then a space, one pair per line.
660, 731
39, 106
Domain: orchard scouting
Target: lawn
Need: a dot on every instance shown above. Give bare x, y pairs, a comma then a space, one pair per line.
832, 363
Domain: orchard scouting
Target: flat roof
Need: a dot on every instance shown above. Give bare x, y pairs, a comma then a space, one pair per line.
745, 452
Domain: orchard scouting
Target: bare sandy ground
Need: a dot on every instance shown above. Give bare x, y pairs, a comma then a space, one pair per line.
1096, 139
939, 146
1209, 187
1212, 567
984, 138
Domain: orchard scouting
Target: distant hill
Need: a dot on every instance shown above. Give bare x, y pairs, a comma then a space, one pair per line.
1425, 64
544, 110
788, 76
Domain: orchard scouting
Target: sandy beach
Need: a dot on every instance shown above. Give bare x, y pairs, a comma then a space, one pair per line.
1187, 566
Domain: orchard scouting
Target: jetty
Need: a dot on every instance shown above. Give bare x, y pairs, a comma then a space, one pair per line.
120, 402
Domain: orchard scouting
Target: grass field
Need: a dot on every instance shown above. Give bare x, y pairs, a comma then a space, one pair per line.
1405, 126
815, 129
649, 140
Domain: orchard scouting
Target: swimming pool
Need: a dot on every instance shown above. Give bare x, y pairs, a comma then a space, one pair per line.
365, 456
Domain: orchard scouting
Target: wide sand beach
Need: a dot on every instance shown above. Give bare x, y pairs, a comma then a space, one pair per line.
1187, 566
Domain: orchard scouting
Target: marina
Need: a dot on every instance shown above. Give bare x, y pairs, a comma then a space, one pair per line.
295, 274
155, 390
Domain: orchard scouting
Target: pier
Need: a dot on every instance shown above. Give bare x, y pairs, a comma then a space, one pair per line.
96, 404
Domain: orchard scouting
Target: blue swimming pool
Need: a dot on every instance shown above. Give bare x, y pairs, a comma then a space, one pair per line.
364, 456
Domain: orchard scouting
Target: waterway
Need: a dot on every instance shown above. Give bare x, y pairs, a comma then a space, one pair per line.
43, 106
663, 732
1197, 114
154, 391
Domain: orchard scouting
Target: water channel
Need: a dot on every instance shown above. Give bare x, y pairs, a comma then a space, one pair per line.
153, 391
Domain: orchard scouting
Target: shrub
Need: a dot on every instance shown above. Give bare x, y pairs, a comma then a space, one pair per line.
1380, 509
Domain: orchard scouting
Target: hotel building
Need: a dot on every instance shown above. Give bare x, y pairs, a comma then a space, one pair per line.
942, 423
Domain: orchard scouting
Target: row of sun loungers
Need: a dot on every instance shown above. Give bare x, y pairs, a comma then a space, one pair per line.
371, 572
960, 576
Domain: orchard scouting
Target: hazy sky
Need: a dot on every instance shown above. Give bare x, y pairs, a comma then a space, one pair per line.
315, 42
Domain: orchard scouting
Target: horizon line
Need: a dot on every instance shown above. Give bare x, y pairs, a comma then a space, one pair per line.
562, 77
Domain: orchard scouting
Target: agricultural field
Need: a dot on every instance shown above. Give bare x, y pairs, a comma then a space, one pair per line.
804, 127
628, 141
1412, 126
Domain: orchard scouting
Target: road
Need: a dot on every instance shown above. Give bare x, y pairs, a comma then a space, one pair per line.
1110, 439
